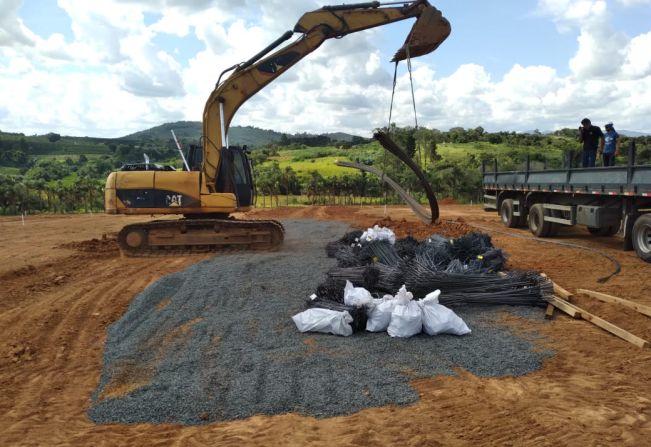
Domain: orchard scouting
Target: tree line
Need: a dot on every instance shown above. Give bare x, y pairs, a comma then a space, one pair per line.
75, 183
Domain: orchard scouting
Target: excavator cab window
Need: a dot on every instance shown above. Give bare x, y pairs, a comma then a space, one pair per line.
235, 175
242, 177
195, 157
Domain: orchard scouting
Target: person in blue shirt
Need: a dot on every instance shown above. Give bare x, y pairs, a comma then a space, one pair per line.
611, 145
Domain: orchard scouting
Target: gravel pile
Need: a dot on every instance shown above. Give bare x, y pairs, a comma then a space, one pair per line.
216, 342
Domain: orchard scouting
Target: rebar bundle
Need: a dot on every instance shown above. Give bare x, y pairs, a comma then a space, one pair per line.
435, 252
353, 274
456, 266
527, 296
358, 313
464, 269
469, 246
390, 278
407, 247
332, 289
420, 282
345, 255
345, 249
490, 261
378, 251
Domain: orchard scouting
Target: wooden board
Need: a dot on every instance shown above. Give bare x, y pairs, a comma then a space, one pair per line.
549, 313
558, 290
641, 308
564, 306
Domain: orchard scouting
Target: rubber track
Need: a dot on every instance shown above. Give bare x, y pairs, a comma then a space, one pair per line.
272, 226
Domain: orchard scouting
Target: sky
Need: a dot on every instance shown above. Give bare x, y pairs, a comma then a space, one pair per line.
108, 68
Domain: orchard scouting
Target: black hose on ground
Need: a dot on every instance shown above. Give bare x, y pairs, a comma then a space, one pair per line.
618, 267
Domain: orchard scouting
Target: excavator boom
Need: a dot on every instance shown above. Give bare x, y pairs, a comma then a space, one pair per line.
429, 31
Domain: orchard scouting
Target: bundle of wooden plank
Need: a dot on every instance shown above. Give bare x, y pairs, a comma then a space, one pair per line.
561, 300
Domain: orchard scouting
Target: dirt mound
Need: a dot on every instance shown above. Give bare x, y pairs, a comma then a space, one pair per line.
418, 230
447, 201
23, 271
107, 244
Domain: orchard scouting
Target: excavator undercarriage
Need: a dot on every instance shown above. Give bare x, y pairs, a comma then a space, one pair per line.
180, 236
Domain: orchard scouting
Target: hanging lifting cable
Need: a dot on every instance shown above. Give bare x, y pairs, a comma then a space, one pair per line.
390, 146
413, 99
411, 81
384, 157
393, 92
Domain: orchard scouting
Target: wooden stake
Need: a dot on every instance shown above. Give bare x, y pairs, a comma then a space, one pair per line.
549, 313
641, 308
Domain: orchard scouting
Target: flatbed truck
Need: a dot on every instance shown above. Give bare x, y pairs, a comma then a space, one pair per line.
606, 200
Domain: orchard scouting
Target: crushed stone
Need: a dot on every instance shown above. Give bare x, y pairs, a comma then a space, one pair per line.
215, 342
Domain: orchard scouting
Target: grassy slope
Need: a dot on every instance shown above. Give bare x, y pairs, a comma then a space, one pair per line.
6, 170
322, 159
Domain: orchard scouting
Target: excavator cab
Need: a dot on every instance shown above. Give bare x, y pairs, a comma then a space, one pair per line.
235, 172
235, 175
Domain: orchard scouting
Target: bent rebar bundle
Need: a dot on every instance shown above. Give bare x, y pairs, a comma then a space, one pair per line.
464, 269
425, 216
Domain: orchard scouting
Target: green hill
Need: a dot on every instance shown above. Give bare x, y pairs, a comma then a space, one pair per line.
191, 131
237, 135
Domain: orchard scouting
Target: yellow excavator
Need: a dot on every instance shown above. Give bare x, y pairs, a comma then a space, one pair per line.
217, 179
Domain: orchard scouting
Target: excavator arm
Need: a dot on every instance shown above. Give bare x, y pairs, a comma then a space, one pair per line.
429, 31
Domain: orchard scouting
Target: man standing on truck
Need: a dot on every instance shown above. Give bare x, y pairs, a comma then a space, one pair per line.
611, 145
592, 138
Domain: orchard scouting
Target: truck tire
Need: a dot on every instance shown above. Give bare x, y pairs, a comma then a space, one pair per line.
642, 237
604, 231
506, 213
537, 224
554, 227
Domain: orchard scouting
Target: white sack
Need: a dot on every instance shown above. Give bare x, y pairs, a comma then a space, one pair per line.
378, 233
438, 319
432, 297
356, 296
324, 320
379, 314
406, 317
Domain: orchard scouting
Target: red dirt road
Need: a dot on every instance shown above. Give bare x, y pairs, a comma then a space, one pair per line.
61, 285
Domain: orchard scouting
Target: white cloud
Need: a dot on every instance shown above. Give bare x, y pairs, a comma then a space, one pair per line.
630, 3
113, 77
12, 30
572, 11
638, 57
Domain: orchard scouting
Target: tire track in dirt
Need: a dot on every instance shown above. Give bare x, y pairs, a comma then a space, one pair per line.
65, 330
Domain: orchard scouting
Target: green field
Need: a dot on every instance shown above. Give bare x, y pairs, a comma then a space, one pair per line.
459, 151
303, 200
6, 170
322, 159
324, 165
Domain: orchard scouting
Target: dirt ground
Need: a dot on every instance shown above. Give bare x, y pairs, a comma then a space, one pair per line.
62, 284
